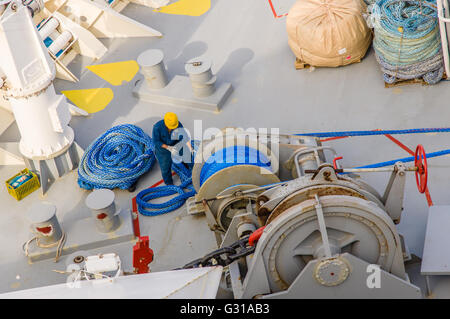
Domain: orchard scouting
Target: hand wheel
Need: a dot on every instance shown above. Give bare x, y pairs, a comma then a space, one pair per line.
420, 161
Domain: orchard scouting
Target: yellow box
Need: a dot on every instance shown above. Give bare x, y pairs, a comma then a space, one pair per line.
26, 188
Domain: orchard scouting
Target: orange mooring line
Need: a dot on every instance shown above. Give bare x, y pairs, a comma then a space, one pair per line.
403, 146
274, 12
333, 138
428, 196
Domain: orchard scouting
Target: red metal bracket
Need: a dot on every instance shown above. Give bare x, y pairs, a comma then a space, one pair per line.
142, 256
335, 160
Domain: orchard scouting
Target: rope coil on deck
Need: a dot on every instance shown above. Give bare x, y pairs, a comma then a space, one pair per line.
116, 159
407, 40
227, 157
150, 209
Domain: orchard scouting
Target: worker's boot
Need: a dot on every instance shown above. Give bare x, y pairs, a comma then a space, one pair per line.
132, 188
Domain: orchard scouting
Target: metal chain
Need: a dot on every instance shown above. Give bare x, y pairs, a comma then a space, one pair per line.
223, 256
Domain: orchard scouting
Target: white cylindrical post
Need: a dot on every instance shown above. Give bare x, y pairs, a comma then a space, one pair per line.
153, 68
101, 203
44, 223
48, 28
61, 42
202, 80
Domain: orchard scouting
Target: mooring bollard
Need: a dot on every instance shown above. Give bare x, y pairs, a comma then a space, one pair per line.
44, 223
202, 80
101, 203
153, 68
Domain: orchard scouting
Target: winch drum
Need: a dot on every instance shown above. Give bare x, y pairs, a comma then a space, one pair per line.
353, 225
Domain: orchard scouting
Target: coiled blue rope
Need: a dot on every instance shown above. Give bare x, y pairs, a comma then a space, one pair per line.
232, 156
116, 159
145, 196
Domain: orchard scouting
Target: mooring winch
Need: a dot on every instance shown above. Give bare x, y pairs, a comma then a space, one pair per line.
322, 229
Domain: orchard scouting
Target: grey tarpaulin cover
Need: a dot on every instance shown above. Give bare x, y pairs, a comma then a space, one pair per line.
328, 33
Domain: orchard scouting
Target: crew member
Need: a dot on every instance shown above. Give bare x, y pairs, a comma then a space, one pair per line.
165, 144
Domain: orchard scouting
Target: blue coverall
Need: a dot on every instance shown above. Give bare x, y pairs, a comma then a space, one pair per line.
162, 136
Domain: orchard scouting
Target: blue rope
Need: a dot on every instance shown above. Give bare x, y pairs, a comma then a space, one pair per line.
366, 133
116, 159
405, 159
123, 153
146, 195
232, 156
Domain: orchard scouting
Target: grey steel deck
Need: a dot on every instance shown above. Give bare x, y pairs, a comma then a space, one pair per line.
249, 48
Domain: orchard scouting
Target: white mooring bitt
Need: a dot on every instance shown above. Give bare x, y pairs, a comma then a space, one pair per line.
202, 80
153, 68
198, 90
101, 203
44, 223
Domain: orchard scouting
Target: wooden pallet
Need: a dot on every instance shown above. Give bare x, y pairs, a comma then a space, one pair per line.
405, 82
299, 64
411, 81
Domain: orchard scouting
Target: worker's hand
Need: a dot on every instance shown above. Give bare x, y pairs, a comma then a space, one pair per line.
172, 150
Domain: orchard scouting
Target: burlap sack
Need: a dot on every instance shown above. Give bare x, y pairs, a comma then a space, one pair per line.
328, 33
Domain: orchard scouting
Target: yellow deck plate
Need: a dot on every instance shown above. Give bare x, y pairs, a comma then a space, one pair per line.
90, 100
117, 72
187, 7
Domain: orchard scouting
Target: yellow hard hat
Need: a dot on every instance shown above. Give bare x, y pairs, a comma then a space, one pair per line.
171, 120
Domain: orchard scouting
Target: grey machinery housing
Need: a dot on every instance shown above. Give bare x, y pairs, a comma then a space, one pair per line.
323, 229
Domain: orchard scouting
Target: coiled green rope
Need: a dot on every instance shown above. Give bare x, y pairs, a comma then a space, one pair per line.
407, 40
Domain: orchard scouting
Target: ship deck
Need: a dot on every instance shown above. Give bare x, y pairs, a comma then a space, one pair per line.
248, 46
